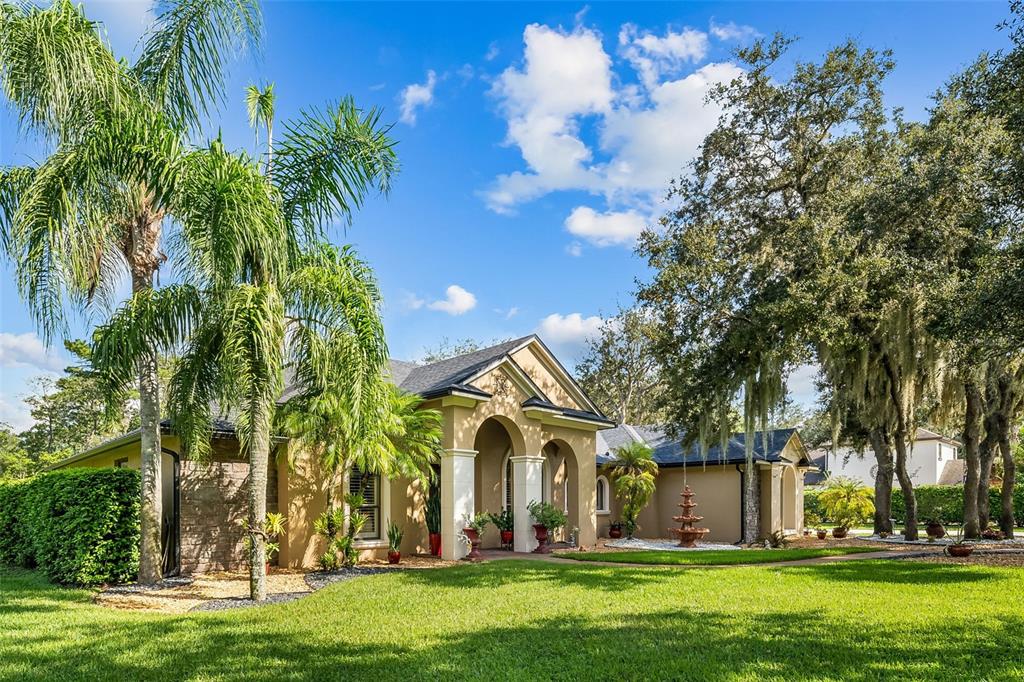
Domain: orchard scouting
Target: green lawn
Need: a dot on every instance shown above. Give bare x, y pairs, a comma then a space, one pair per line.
862, 620
712, 557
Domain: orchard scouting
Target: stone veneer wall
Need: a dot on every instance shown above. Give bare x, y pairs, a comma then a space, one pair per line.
213, 499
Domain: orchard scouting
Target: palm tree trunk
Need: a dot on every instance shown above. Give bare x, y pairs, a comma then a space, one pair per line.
151, 500
259, 462
885, 468
972, 458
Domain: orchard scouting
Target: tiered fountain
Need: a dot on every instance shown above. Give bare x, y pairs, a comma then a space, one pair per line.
688, 535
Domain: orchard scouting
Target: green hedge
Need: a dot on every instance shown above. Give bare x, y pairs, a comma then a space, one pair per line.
78, 526
949, 497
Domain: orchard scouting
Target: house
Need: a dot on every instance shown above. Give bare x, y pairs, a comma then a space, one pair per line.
516, 428
717, 480
932, 459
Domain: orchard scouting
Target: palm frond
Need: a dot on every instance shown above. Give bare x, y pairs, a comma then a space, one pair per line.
328, 161
185, 52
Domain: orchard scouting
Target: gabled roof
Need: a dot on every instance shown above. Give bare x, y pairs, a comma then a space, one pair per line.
441, 377
669, 452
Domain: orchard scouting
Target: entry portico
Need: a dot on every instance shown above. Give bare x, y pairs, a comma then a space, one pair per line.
517, 429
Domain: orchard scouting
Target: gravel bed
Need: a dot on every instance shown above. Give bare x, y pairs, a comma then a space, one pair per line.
318, 580
134, 588
245, 602
670, 545
940, 542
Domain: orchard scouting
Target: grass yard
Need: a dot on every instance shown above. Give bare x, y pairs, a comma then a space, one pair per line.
858, 620
712, 557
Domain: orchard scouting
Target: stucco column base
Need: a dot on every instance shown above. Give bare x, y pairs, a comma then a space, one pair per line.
527, 487
457, 503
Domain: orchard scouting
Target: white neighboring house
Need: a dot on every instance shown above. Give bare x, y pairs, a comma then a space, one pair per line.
932, 460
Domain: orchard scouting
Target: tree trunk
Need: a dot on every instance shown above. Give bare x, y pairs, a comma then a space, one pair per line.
972, 458
151, 500
987, 454
907, 486
883, 482
751, 505
1009, 478
259, 462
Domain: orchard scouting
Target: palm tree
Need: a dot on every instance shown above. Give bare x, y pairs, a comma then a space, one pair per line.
634, 470
260, 291
96, 208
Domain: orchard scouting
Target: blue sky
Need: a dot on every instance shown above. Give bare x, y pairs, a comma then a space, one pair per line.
535, 139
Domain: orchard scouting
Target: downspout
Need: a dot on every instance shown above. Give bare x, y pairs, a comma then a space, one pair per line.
743, 515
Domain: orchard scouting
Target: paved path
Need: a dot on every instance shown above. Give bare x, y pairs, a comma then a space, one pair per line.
491, 555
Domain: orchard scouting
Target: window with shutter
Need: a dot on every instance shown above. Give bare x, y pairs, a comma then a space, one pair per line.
369, 487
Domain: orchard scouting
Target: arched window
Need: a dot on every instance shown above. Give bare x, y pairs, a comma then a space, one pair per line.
506, 487
602, 495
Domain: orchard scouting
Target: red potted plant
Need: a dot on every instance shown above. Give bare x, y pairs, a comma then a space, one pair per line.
615, 530
505, 523
959, 548
394, 543
549, 519
473, 531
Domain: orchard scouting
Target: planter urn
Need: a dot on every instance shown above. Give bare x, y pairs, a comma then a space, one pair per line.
839, 533
435, 544
934, 529
960, 550
394, 557
615, 532
474, 544
542, 539
822, 534
506, 537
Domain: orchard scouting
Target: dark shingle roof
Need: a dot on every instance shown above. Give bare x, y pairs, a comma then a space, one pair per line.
537, 401
440, 377
669, 452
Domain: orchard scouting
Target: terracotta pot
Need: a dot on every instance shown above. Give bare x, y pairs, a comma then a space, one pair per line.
934, 529
542, 539
474, 544
822, 534
506, 537
435, 544
839, 533
615, 533
394, 557
959, 550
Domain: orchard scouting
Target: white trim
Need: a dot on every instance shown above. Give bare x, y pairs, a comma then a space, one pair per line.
633, 434
370, 544
459, 452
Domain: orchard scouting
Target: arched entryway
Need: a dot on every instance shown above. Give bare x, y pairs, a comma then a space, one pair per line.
561, 483
493, 485
789, 499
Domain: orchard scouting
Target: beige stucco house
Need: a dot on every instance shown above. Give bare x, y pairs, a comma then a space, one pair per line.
517, 428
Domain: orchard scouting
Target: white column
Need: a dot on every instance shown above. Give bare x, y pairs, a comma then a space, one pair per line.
527, 487
457, 503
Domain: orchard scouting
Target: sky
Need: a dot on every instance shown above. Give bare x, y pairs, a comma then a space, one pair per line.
536, 140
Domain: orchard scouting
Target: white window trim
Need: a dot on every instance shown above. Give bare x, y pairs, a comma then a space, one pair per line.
385, 516
607, 496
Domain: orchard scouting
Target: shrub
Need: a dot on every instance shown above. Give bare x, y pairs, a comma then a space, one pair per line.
78, 526
847, 502
950, 500
812, 505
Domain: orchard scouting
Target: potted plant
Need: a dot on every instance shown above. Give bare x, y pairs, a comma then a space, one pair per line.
505, 522
847, 503
813, 520
549, 518
273, 526
433, 518
615, 530
473, 529
394, 543
959, 548
931, 514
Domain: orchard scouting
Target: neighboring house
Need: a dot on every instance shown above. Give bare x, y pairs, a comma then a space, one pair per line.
932, 459
517, 428
717, 481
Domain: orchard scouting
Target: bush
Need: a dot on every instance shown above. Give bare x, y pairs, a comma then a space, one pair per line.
78, 526
812, 505
950, 498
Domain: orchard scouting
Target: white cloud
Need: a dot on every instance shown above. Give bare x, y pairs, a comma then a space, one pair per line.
564, 75
28, 350
645, 134
801, 385
411, 301
568, 329
605, 229
378, 86
492, 51
456, 301
417, 96
575, 249
733, 31
654, 57
16, 415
